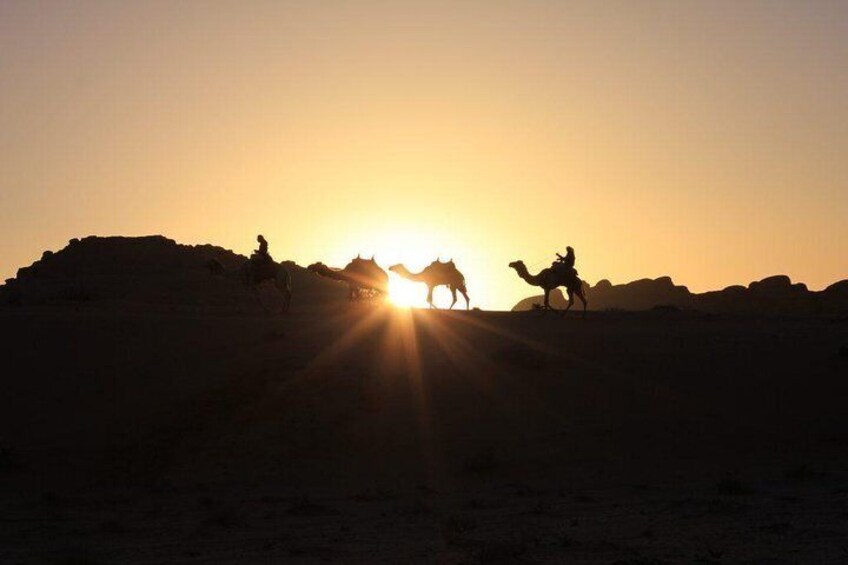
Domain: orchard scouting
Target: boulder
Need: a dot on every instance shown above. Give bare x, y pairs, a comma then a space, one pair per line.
148, 272
643, 294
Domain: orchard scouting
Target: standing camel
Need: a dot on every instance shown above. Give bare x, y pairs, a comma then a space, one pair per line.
550, 279
253, 276
364, 277
436, 274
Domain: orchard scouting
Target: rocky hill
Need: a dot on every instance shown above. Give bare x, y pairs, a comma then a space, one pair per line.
772, 295
148, 272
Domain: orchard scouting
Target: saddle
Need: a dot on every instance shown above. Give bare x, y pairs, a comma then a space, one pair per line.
564, 270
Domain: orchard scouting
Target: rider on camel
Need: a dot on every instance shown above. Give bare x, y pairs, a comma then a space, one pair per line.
566, 263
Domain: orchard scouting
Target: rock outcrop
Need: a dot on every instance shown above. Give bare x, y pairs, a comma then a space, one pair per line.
148, 272
771, 295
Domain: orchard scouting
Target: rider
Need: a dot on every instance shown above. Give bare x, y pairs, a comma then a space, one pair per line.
566, 263
263, 247
262, 260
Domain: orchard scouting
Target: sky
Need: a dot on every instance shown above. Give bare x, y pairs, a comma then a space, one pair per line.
706, 141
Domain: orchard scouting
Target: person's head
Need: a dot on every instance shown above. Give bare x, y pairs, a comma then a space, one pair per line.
260, 239
569, 249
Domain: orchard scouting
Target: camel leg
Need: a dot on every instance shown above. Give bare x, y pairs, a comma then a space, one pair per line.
453, 293
465, 294
570, 301
430, 297
582, 298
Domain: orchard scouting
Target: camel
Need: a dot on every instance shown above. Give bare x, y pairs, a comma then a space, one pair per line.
249, 275
364, 277
550, 279
436, 274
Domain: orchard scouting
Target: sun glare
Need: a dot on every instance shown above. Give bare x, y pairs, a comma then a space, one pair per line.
414, 249
406, 294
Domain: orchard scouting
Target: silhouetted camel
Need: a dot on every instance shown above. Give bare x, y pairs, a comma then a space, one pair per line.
436, 274
550, 279
252, 276
364, 277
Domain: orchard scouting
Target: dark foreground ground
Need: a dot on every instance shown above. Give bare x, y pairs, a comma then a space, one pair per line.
382, 436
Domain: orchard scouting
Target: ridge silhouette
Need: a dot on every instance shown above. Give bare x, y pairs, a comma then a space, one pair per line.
158, 272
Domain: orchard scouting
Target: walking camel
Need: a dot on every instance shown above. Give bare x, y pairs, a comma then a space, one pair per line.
437, 274
253, 275
364, 277
550, 279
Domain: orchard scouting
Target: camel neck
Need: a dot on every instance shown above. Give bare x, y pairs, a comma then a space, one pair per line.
525, 274
409, 275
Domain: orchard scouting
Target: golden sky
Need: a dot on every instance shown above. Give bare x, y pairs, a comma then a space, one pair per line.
702, 140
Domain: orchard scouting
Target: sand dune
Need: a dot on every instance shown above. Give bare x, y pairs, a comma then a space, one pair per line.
373, 435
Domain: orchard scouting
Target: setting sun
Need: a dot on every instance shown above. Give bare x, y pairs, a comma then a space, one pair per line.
406, 294
415, 247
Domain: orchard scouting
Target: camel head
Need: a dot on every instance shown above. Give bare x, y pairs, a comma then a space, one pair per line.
399, 268
517, 265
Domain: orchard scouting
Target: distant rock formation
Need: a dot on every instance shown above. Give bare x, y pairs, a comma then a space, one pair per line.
148, 271
772, 295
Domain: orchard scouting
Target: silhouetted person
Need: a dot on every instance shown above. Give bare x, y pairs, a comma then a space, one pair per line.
263, 264
565, 264
263, 246
569, 258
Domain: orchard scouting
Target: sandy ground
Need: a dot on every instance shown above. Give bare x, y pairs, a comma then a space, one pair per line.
375, 435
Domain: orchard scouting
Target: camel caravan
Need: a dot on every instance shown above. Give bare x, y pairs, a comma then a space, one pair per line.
366, 280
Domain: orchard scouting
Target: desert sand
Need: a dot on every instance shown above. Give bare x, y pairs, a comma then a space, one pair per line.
368, 434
